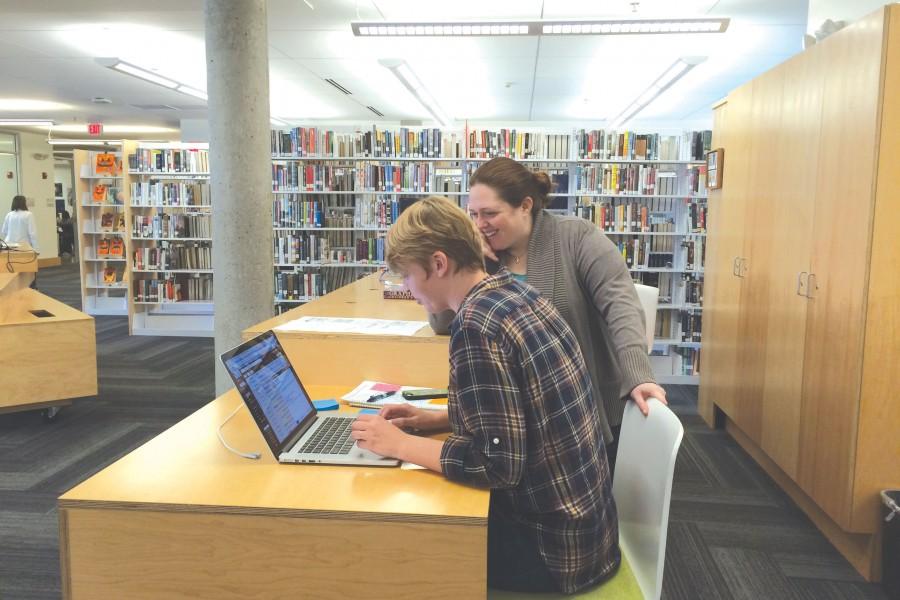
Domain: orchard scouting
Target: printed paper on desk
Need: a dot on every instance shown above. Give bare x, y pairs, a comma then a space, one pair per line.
360, 395
351, 325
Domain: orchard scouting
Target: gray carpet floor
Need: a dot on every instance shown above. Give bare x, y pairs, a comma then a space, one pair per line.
732, 532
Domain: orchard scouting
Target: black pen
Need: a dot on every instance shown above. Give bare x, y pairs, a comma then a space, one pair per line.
380, 396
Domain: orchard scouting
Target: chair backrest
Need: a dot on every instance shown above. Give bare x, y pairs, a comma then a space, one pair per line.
649, 297
642, 488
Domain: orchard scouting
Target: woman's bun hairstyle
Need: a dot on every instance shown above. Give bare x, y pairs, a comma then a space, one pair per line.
514, 182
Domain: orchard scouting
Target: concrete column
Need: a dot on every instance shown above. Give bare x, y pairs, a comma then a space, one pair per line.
237, 79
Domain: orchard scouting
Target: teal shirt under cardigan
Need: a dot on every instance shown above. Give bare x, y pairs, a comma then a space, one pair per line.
583, 274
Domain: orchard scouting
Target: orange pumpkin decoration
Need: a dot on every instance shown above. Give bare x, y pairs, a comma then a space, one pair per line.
105, 163
99, 192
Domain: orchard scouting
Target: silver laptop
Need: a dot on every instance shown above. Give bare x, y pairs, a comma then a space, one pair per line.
276, 398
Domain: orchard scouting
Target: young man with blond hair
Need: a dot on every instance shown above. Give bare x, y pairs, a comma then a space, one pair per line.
520, 412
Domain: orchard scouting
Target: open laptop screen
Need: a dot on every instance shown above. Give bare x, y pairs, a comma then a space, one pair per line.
267, 383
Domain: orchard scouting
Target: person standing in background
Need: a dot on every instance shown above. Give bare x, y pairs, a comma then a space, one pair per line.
18, 226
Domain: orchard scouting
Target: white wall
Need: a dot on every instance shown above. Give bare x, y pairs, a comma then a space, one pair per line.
36, 184
839, 10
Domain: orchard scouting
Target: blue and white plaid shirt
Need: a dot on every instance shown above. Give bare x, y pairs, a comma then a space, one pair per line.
524, 424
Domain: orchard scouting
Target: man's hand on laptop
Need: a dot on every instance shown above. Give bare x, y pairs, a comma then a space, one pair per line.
380, 435
411, 418
373, 432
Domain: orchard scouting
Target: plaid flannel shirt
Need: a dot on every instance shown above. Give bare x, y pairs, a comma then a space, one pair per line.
524, 424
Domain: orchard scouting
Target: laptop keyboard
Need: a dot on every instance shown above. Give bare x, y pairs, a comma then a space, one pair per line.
332, 437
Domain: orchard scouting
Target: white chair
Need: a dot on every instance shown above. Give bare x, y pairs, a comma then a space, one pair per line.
642, 487
649, 297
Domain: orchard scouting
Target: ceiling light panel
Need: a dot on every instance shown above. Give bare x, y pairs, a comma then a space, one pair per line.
374, 29
177, 55
28, 104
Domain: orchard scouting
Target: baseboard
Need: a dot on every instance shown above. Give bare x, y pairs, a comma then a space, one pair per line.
43, 263
863, 551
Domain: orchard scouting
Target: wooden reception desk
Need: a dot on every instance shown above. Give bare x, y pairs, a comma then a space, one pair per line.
49, 348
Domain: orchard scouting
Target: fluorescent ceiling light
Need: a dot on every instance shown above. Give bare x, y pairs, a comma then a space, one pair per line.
675, 72
62, 142
29, 104
144, 74
543, 27
147, 75
26, 123
186, 89
406, 76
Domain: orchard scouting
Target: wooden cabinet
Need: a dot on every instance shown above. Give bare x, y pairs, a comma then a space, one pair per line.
805, 322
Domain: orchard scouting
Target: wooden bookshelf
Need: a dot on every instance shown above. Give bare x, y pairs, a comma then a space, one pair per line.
332, 189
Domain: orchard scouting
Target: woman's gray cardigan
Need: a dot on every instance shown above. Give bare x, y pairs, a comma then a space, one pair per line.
574, 265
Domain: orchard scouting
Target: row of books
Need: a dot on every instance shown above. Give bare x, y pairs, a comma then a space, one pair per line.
179, 225
169, 160
630, 216
664, 282
638, 254
696, 218
152, 193
400, 143
678, 361
174, 256
174, 288
372, 177
484, 143
614, 179
369, 212
691, 326
292, 285
600, 144
695, 252
111, 247
313, 142
693, 288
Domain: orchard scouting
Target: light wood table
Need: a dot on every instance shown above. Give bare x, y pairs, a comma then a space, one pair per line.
21, 260
347, 359
46, 360
181, 517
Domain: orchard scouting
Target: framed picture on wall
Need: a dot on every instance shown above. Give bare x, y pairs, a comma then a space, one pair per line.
714, 164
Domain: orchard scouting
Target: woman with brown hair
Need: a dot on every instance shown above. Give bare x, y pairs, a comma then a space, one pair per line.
579, 270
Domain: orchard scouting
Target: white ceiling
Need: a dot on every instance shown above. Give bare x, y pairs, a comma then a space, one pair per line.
48, 51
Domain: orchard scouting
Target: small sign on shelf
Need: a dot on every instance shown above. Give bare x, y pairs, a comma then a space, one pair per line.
714, 167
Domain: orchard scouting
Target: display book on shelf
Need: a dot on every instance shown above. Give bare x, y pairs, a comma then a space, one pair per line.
102, 249
170, 237
336, 193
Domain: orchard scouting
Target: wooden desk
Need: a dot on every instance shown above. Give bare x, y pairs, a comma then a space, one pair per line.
46, 360
183, 517
21, 260
341, 359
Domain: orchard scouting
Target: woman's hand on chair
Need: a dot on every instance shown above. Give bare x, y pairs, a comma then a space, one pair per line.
642, 393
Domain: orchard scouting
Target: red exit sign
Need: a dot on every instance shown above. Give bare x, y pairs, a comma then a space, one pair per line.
95, 128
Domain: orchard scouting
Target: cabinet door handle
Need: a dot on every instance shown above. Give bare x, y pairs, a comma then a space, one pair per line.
734, 266
812, 286
743, 267
800, 281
